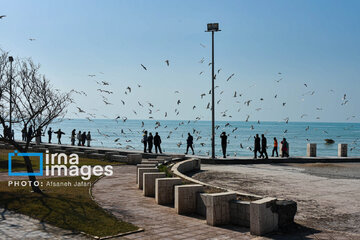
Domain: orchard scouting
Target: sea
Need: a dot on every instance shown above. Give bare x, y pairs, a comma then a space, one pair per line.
112, 133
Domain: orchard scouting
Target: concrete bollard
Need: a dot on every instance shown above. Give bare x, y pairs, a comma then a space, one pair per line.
342, 150
149, 183
134, 158
263, 219
141, 172
185, 198
165, 188
218, 207
143, 166
311, 150
240, 213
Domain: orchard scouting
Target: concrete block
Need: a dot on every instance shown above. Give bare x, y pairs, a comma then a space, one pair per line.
90, 151
119, 158
148, 162
140, 175
149, 183
185, 198
311, 150
286, 210
143, 166
342, 150
263, 218
165, 190
97, 156
80, 154
240, 213
134, 158
218, 207
190, 165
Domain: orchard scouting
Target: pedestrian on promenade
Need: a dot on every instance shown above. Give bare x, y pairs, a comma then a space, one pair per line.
59, 133
50, 134
223, 143
79, 138
73, 137
12, 135
157, 142
189, 142
38, 136
284, 148
88, 138
275, 149
83, 138
150, 142
144, 140
24, 133
256, 145
30, 133
263, 147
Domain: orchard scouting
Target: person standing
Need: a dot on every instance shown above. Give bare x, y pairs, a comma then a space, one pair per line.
157, 142
59, 133
189, 142
256, 145
38, 137
263, 147
275, 149
150, 142
83, 138
30, 133
73, 137
79, 138
284, 148
50, 134
24, 133
144, 140
88, 138
223, 143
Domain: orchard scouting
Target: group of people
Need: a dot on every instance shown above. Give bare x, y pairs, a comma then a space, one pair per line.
8, 133
149, 141
261, 148
81, 137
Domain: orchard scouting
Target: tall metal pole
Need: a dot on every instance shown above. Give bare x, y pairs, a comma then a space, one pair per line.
11, 60
213, 101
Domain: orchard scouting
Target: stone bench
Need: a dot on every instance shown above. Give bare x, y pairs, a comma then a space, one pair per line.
149, 162
90, 151
108, 155
185, 198
140, 175
165, 189
143, 166
97, 156
134, 158
240, 213
80, 154
149, 183
263, 218
218, 207
119, 158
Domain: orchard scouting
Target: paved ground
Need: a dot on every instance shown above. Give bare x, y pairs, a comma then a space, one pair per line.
18, 226
161, 222
327, 194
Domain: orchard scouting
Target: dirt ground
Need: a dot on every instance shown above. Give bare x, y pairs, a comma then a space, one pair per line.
328, 195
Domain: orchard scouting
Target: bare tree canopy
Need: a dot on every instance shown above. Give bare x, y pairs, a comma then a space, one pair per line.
35, 103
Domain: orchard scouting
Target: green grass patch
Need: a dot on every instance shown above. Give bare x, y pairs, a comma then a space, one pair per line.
67, 207
166, 170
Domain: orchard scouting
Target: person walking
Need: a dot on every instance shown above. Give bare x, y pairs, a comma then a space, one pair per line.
30, 133
157, 142
144, 140
24, 133
150, 142
223, 143
189, 142
50, 134
256, 145
263, 147
88, 138
38, 137
59, 133
73, 137
284, 148
275, 149
83, 138
79, 138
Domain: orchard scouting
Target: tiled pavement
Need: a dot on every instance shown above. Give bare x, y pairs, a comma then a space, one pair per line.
119, 194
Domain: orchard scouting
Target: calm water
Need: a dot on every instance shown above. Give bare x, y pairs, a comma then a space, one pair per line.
173, 134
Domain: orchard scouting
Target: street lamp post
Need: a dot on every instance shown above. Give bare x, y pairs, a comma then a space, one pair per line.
11, 59
213, 27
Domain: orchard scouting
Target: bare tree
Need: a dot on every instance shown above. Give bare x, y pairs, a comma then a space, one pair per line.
35, 103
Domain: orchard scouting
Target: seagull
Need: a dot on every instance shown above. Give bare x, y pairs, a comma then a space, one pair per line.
91, 75
194, 107
129, 88
178, 102
286, 120
32, 39
80, 110
230, 77
167, 62
284, 103
106, 102
202, 60
202, 45
202, 95
140, 104
139, 85
303, 115
2, 16
305, 84
143, 66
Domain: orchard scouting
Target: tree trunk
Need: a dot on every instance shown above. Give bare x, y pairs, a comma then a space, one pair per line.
29, 169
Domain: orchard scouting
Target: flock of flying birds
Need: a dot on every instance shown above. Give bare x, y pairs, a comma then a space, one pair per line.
105, 90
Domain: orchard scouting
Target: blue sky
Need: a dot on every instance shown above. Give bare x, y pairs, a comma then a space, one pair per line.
312, 42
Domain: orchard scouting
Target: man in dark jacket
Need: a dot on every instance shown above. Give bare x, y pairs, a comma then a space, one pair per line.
50, 134
150, 142
189, 142
256, 145
263, 147
157, 142
144, 140
59, 133
223, 143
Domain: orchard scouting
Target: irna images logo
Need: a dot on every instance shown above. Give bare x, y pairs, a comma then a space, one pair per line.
61, 165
